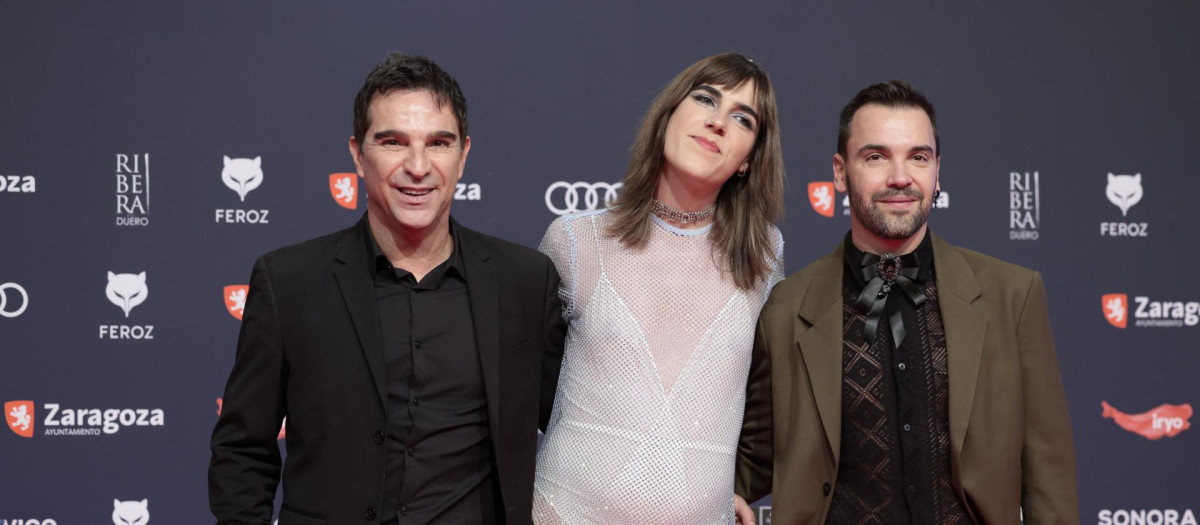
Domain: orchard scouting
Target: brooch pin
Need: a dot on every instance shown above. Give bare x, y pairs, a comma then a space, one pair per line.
888, 268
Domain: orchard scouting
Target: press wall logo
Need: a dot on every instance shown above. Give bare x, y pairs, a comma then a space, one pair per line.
1145, 517
1124, 191
1147, 313
821, 196
1159, 422
133, 189
18, 184
13, 300
28, 521
235, 299
343, 187
126, 291
1024, 206
131, 512
78, 421
242, 176
764, 515
570, 197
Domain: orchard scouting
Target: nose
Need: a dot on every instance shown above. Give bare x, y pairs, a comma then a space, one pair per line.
417, 164
716, 124
898, 176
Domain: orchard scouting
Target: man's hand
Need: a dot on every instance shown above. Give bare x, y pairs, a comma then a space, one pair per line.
745, 515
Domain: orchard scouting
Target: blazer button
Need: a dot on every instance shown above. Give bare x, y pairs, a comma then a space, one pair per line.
379, 437
826, 488
370, 513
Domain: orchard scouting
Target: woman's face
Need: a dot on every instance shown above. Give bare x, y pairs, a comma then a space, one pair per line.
711, 133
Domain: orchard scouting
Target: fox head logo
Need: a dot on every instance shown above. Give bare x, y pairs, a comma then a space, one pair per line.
820, 195
343, 187
127, 290
1116, 309
19, 415
131, 512
242, 175
235, 299
1124, 191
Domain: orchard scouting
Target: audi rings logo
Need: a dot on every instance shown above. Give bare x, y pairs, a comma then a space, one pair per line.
569, 197
9, 302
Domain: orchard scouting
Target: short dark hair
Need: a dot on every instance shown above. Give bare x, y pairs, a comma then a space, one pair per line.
401, 71
893, 94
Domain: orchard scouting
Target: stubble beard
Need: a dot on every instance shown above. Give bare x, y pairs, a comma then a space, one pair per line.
882, 224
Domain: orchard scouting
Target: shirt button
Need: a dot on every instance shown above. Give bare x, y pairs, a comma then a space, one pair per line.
417, 344
901, 366
379, 437
907, 427
404, 510
826, 488
411, 452
416, 401
370, 513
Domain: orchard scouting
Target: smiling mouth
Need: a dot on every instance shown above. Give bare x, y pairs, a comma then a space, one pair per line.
707, 144
415, 192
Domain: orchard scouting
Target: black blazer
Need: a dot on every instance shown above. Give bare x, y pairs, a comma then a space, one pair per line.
310, 349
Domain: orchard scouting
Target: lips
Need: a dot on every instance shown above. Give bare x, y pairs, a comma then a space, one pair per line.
415, 195
707, 144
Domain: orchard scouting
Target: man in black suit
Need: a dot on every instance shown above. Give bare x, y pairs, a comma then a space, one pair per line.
413, 358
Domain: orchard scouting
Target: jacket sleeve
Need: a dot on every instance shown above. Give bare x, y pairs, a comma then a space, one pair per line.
756, 445
245, 466
1048, 485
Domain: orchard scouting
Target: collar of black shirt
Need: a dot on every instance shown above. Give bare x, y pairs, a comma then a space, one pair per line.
853, 257
432, 280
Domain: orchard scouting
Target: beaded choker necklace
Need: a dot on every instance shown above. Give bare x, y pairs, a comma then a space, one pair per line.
683, 217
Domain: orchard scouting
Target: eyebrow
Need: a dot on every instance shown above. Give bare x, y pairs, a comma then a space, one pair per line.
444, 134
717, 94
880, 147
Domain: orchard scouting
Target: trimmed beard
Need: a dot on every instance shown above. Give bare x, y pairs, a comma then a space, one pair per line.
878, 222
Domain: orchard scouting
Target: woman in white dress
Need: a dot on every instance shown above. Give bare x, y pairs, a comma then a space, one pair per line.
662, 292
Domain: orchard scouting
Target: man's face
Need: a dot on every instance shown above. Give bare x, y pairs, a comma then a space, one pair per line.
411, 159
890, 171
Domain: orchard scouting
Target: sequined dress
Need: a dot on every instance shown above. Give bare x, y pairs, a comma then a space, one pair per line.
651, 394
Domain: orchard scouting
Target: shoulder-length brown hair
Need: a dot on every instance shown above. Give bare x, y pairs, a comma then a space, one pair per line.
746, 206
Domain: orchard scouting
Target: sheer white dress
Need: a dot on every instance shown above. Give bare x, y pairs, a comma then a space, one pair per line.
651, 395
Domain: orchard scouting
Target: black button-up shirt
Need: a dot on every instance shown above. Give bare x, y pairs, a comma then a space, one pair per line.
439, 465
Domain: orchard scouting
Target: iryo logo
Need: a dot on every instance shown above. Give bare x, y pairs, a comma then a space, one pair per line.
1116, 309
1162, 420
20, 417
343, 187
821, 195
235, 299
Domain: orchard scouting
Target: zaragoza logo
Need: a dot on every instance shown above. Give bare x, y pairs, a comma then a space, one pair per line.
20, 417
1161, 421
821, 196
1116, 309
343, 187
235, 299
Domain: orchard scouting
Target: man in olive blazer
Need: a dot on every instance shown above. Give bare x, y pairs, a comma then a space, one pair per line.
1010, 438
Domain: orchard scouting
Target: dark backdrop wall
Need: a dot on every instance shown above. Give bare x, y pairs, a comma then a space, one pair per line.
1068, 133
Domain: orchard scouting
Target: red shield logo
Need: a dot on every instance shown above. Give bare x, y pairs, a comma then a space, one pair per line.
343, 187
235, 299
1116, 309
821, 196
19, 415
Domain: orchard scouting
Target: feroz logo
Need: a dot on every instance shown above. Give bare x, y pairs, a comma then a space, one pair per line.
1124, 191
235, 299
282, 427
13, 305
19, 415
1162, 420
1116, 309
343, 187
18, 184
574, 194
133, 189
127, 291
131, 512
1024, 202
242, 176
821, 195
1146, 517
